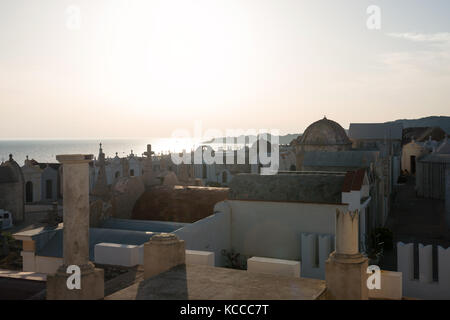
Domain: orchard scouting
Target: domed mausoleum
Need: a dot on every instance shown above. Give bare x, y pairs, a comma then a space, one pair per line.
322, 135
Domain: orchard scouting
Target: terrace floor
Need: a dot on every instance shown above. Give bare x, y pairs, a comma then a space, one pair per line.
199, 282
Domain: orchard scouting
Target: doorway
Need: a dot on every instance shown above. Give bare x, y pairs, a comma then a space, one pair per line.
413, 164
29, 191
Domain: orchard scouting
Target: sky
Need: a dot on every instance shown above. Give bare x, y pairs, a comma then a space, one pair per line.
146, 68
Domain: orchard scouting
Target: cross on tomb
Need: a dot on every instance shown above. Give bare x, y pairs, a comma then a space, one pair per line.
149, 151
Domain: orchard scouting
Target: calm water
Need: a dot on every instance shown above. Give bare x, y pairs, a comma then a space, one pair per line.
46, 150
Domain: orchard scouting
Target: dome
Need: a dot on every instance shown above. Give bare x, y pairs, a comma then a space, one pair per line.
325, 132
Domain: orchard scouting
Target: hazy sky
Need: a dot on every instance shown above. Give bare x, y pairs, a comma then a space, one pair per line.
144, 68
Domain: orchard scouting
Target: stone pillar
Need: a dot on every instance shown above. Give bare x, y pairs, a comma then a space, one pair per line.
76, 234
163, 252
347, 233
346, 268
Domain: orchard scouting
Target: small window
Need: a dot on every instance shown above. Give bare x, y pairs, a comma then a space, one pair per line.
204, 173
48, 189
131, 172
117, 174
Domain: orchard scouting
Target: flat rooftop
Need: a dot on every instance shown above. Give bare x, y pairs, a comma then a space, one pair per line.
310, 187
199, 282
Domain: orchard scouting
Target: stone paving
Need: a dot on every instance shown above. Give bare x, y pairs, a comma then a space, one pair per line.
195, 282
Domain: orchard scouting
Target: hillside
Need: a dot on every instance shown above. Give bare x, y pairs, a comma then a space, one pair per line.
435, 121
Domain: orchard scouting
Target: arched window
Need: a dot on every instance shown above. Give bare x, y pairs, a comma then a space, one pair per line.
132, 172
293, 167
29, 191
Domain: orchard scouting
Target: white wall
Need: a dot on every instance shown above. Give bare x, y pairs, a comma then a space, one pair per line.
135, 164
33, 174
424, 287
273, 229
264, 229
210, 234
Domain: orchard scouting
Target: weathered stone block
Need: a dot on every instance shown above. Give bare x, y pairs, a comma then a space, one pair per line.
391, 286
288, 268
200, 257
92, 285
163, 252
116, 254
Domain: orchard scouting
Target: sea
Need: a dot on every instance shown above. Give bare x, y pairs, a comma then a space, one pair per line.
45, 151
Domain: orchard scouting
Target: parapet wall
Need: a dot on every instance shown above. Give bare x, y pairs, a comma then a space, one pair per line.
424, 287
316, 249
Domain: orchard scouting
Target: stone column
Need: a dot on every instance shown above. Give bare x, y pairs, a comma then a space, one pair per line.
163, 252
75, 208
76, 234
346, 268
347, 233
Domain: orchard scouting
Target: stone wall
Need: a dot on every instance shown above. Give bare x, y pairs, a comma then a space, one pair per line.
317, 188
274, 229
125, 192
178, 203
